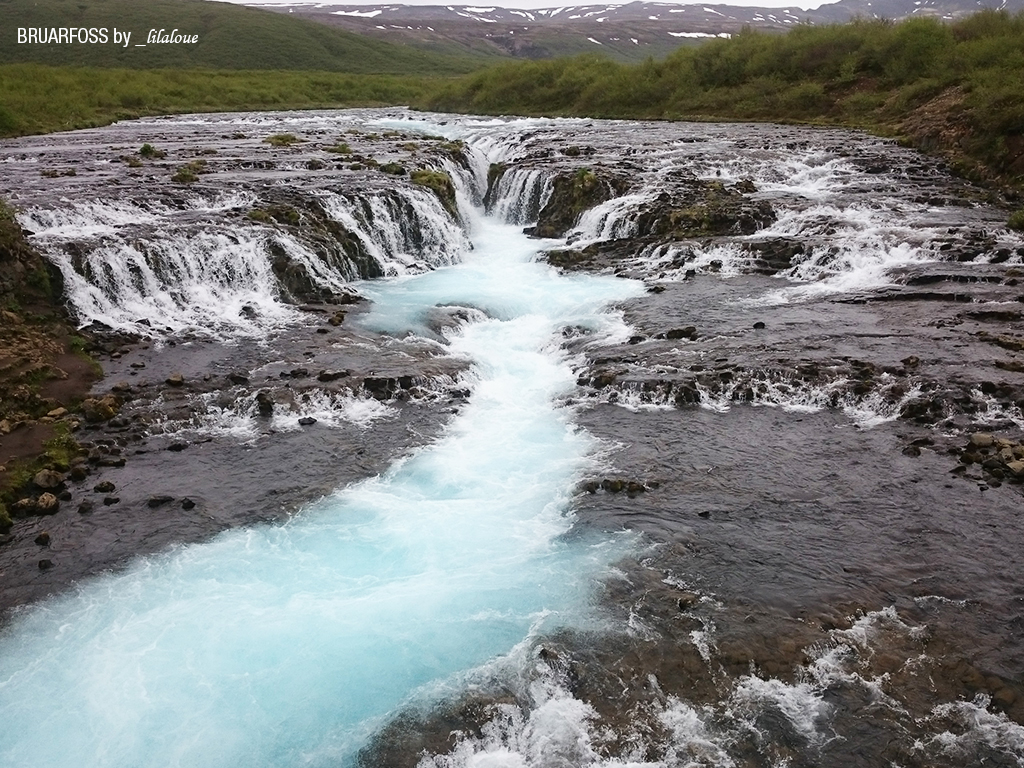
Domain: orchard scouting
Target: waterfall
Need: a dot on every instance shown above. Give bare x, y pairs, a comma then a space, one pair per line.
405, 232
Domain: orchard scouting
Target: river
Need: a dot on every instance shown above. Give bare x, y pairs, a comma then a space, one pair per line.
676, 480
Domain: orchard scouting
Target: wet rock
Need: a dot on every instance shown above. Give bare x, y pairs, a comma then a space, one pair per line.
105, 487
45, 565
43, 539
238, 378
187, 504
177, 447
687, 600
57, 413
1016, 467
572, 194
759, 326
175, 380
911, 450
337, 318
982, 440
47, 504
264, 404
101, 409
298, 373
327, 376
307, 421
689, 332
111, 500
158, 501
79, 472
86, 507
48, 479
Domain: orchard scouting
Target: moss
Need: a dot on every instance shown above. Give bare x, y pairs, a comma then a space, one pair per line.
282, 140
440, 183
339, 149
189, 172
152, 153
61, 449
395, 169
283, 214
5, 519
1016, 221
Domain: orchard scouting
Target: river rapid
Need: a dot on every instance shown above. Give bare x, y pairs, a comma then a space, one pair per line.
491, 443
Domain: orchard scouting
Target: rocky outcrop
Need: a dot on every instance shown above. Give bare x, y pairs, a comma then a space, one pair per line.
572, 194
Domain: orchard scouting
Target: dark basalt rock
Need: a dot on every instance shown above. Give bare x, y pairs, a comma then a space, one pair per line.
572, 194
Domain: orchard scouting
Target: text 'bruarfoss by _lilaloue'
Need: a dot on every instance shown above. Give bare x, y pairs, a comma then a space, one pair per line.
491, 443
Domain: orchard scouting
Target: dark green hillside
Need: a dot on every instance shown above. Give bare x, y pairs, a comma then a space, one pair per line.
230, 37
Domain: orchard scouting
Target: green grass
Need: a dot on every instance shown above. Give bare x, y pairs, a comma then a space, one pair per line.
230, 37
42, 99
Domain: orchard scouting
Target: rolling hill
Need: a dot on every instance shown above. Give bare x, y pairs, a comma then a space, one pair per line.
232, 37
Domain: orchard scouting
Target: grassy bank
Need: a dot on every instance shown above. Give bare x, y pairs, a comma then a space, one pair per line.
36, 98
953, 88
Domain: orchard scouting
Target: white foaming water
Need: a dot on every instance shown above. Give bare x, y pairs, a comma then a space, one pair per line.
201, 281
405, 232
520, 195
611, 219
289, 645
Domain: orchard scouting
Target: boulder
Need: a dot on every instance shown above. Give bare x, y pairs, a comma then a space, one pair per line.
96, 410
48, 479
264, 404
47, 504
982, 440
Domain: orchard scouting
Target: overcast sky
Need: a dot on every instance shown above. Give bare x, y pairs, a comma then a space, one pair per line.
805, 4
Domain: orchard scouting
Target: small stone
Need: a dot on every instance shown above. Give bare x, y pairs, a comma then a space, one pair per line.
238, 378
47, 478
111, 500
326, 376
322, 330
911, 450
337, 318
187, 504
45, 565
105, 487
687, 600
177, 447
759, 326
79, 472
911, 362
298, 373
704, 513
64, 495
175, 380
43, 539
982, 440
58, 413
689, 332
159, 501
47, 504
102, 409
137, 365
307, 421
86, 507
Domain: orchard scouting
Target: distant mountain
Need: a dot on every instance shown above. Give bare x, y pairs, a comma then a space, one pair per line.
227, 37
628, 32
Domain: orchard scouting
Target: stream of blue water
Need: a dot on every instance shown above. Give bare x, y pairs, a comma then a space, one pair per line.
290, 645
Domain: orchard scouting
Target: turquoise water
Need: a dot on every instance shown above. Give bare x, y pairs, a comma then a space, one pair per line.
289, 645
